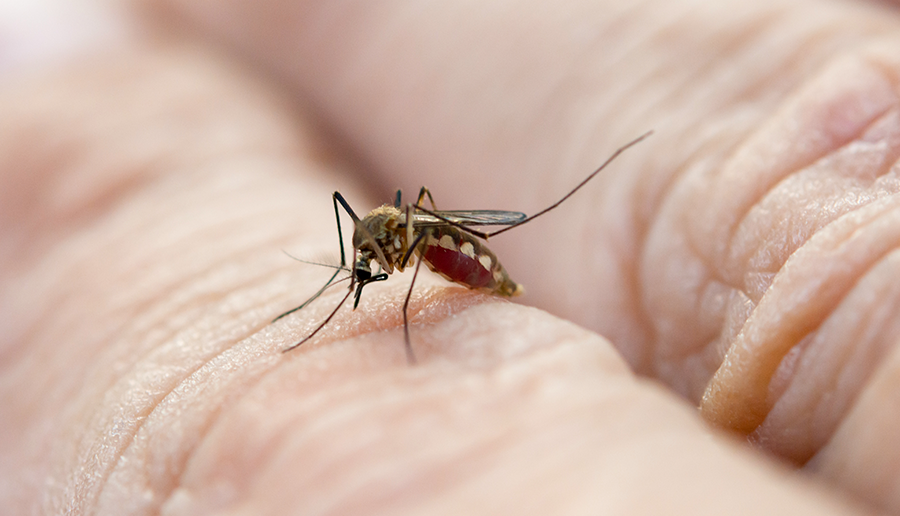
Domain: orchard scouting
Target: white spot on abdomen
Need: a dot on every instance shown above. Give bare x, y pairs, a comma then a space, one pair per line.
447, 242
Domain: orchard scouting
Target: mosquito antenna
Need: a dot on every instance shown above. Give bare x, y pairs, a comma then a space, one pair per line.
329, 265
609, 160
331, 283
319, 327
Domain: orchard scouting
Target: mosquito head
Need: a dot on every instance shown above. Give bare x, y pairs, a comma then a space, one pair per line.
363, 276
377, 238
361, 269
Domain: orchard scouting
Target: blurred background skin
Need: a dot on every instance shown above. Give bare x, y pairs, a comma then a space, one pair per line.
156, 157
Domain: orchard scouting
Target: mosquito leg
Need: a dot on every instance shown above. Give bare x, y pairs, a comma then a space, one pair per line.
409, 234
425, 192
311, 299
337, 220
412, 248
367, 235
319, 327
340, 198
410, 356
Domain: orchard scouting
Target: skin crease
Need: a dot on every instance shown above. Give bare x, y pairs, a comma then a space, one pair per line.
743, 256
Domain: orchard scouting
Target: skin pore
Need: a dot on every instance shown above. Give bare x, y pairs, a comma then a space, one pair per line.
742, 260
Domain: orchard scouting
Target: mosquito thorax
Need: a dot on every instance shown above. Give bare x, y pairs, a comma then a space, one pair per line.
381, 223
384, 226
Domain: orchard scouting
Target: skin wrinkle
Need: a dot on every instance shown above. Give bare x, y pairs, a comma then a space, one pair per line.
56, 303
161, 396
427, 305
477, 457
806, 44
645, 221
838, 394
811, 41
829, 388
171, 287
713, 330
881, 168
187, 286
744, 38
664, 353
739, 402
418, 305
774, 181
717, 273
114, 332
848, 458
497, 372
838, 204
172, 393
640, 359
774, 264
176, 479
89, 158
79, 490
93, 249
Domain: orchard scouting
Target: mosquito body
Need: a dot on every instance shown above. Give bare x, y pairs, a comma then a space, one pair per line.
456, 254
446, 241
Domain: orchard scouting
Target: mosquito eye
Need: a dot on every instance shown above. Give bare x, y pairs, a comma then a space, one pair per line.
363, 274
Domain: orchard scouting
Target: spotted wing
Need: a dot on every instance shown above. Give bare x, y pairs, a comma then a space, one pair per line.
469, 218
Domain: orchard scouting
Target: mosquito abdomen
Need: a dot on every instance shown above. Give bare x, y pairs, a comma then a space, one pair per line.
463, 259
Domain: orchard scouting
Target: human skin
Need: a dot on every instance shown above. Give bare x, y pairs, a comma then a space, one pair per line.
740, 259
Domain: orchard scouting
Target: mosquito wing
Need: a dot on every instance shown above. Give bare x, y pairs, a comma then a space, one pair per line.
470, 218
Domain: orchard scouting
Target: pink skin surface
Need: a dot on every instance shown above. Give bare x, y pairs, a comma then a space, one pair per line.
743, 259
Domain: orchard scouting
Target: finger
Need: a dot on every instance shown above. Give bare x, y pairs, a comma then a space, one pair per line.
139, 345
150, 193
531, 415
770, 137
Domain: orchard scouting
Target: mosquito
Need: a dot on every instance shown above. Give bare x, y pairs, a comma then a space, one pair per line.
393, 236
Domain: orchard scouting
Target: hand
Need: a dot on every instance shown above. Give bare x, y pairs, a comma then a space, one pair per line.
741, 256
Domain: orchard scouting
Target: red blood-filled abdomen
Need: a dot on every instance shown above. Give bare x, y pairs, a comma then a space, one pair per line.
456, 266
